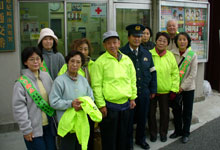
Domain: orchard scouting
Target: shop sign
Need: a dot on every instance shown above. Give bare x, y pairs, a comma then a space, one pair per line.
7, 40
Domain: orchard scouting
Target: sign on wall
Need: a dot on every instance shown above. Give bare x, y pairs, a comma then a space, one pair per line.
98, 10
192, 20
7, 40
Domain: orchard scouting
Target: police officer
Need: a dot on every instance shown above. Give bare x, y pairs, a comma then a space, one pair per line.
146, 83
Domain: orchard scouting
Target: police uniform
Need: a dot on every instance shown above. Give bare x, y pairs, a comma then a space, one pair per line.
146, 85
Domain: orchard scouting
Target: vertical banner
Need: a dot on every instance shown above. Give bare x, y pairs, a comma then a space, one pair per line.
7, 40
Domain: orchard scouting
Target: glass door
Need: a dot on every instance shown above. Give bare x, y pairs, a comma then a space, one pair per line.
130, 14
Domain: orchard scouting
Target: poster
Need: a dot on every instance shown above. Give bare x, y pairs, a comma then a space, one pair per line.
190, 20
75, 13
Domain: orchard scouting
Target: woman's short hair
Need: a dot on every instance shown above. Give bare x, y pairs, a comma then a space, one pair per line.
74, 53
187, 37
76, 43
28, 52
166, 35
40, 46
151, 33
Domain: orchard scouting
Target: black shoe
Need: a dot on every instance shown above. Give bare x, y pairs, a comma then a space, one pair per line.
174, 135
185, 139
153, 138
163, 138
143, 145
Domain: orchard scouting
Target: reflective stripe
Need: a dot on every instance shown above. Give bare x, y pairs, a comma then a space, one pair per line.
152, 69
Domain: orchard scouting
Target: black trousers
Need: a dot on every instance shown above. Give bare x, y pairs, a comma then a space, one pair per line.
139, 116
70, 142
114, 129
183, 115
163, 100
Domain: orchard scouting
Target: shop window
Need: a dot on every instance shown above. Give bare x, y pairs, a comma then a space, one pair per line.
125, 17
87, 20
37, 15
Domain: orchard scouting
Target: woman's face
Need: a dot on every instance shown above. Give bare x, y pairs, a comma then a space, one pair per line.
47, 42
182, 42
84, 48
146, 35
74, 64
33, 62
161, 43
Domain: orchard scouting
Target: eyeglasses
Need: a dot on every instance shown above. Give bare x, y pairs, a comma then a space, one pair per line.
34, 59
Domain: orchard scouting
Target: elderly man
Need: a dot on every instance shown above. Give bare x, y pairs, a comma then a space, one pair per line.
113, 80
146, 83
172, 30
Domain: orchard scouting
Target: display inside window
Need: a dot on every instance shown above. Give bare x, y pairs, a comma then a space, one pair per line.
191, 20
87, 20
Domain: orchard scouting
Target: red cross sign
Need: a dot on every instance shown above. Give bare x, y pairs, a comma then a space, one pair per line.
98, 10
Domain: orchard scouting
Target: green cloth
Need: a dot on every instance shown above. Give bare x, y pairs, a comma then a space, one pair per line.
167, 72
77, 122
81, 72
113, 80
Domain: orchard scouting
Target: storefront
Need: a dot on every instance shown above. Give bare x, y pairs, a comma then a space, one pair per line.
73, 19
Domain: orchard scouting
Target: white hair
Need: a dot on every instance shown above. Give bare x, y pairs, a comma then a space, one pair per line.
172, 20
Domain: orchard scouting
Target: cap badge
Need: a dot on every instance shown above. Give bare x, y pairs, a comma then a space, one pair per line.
137, 28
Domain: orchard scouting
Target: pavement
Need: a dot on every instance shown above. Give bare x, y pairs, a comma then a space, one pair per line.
204, 112
206, 137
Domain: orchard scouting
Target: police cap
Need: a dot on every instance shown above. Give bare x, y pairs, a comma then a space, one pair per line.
135, 29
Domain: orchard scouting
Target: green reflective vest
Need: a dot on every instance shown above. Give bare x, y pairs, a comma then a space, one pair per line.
167, 72
113, 80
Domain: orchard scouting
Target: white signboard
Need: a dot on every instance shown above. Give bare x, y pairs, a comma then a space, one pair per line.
98, 10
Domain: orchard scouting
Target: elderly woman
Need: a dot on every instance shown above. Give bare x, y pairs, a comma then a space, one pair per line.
183, 113
53, 60
167, 81
65, 91
32, 88
146, 43
84, 46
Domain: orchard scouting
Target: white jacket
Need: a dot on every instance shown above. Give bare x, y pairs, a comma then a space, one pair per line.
188, 82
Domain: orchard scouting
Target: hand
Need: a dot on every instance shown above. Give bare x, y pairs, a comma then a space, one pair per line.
132, 104
76, 104
103, 111
28, 137
152, 96
180, 90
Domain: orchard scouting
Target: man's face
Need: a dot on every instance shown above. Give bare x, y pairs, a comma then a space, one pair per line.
172, 27
134, 41
112, 45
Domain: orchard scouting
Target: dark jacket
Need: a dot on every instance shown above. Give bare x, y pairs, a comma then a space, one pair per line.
145, 70
148, 45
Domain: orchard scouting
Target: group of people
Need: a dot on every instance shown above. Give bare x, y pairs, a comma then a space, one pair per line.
121, 88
